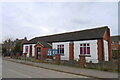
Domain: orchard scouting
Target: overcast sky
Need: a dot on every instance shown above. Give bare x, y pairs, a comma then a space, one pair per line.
33, 19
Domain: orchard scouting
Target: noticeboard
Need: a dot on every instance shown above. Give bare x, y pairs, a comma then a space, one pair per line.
52, 52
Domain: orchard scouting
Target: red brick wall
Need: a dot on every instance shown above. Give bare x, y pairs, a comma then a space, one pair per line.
58, 58
21, 44
71, 51
30, 50
100, 50
43, 51
82, 61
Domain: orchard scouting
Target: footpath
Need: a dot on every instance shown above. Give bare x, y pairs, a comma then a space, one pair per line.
72, 70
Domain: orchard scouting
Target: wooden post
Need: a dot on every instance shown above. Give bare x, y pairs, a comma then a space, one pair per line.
57, 59
82, 61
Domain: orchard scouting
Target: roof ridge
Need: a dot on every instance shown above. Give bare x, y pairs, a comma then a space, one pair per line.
87, 34
72, 32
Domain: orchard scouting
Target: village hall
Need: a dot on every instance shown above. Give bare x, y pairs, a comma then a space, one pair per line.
94, 44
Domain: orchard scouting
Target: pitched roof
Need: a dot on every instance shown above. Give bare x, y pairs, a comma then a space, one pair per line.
44, 44
115, 38
89, 34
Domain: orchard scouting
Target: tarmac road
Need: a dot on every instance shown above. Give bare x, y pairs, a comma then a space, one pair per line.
16, 70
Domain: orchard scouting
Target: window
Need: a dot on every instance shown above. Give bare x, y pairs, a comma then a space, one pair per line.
60, 49
85, 49
26, 49
119, 42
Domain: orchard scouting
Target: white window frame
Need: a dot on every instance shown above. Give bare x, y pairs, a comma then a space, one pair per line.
83, 48
62, 54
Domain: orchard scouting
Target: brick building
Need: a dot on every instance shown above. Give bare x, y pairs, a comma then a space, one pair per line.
94, 43
9, 45
115, 42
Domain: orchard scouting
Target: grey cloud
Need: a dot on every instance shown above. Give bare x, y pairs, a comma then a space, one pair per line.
37, 18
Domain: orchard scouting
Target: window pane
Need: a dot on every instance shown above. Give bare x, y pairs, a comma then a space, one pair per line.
62, 52
80, 44
88, 50
26, 50
84, 44
84, 50
88, 45
58, 46
81, 50
58, 50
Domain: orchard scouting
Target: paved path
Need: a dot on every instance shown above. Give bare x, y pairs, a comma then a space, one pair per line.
80, 71
16, 70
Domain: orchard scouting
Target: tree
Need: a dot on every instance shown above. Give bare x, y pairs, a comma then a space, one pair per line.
4, 51
17, 48
7, 46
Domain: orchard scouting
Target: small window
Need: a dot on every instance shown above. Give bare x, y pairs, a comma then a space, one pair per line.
84, 44
80, 44
85, 49
88, 45
60, 49
26, 49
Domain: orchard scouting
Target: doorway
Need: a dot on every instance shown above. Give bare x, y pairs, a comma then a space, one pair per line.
38, 52
30, 51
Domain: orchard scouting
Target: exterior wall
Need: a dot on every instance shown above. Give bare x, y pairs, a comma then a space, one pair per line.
105, 50
44, 52
108, 39
28, 49
93, 50
71, 51
33, 52
100, 44
66, 49
22, 42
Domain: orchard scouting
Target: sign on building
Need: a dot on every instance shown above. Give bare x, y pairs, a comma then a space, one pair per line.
52, 52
